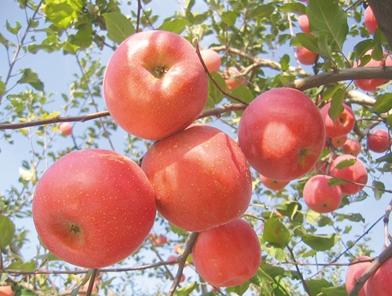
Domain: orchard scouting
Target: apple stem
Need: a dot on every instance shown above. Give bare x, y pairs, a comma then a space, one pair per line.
92, 282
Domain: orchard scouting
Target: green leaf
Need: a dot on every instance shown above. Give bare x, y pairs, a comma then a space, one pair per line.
379, 189
351, 217
362, 47
175, 26
327, 17
288, 208
308, 41
336, 181
345, 163
19, 265
324, 46
119, 26
7, 231
321, 242
276, 233
386, 158
312, 216
62, 12
30, 77
13, 30
383, 103
244, 93
3, 41
261, 11
333, 291
336, 104
331, 91
185, 291
214, 94
229, 17
239, 290
293, 7
316, 286
2, 88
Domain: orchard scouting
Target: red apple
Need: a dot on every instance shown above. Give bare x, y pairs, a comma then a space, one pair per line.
370, 20
354, 272
182, 278
282, 134
303, 22
233, 78
154, 84
305, 56
355, 173
379, 141
200, 177
227, 255
160, 240
352, 146
380, 282
178, 249
338, 141
65, 128
273, 184
6, 291
171, 258
319, 196
93, 208
342, 125
211, 59
372, 84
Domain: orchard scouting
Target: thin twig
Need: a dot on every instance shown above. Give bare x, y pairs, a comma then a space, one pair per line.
306, 288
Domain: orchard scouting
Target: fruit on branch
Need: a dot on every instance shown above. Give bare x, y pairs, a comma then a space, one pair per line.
273, 184
305, 56
154, 84
200, 177
303, 22
178, 249
379, 283
228, 255
319, 196
339, 141
372, 84
282, 134
356, 172
352, 146
6, 291
370, 20
182, 278
161, 240
93, 208
354, 272
379, 141
233, 78
211, 59
65, 128
342, 125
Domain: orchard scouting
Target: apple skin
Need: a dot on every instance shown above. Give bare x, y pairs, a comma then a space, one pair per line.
227, 255
372, 84
370, 20
154, 84
379, 141
342, 125
355, 173
233, 83
339, 141
352, 146
354, 272
379, 283
282, 134
211, 59
320, 197
65, 128
6, 291
93, 208
200, 177
273, 184
305, 56
303, 22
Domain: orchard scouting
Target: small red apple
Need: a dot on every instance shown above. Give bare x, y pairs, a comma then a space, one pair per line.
303, 22
178, 249
319, 196
65, 128
282, 134
370, 20
171, 258
182, 278
233, 78
305, 56
6, 291
338, 142
273, 184
227, 255
161, 240
380, 282
352, 146
355, 173
342, 125
211, 59
200, 177
354, 272
93, 208
154, 84
379, 141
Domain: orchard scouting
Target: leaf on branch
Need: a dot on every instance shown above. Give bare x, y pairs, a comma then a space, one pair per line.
383, 103
351, 217
316, 286
387, 158
379, 189
3, 41
229, 17
19, 265
308, 41
7, 231
185, 291
30, 77
119, 26
175, 26
336, 181
13, 30
337, 104
276, 233
293, 7
345, 164
2, 88
263, 11
321, 242
62, 12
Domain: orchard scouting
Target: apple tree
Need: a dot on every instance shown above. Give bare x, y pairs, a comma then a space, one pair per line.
195, 147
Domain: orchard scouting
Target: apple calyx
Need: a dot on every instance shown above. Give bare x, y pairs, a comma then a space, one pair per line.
75, 228
160, 71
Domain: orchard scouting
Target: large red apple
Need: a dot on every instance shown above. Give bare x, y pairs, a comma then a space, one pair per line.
342, 125
282, 134
372, 84
319, 196
380, 282
200, 177
93, 208
354, 272
211, 59
370, 20
228, 255
305, 56
352, 146
154, 84
379, 140
6, 291
303, 22
356, 173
